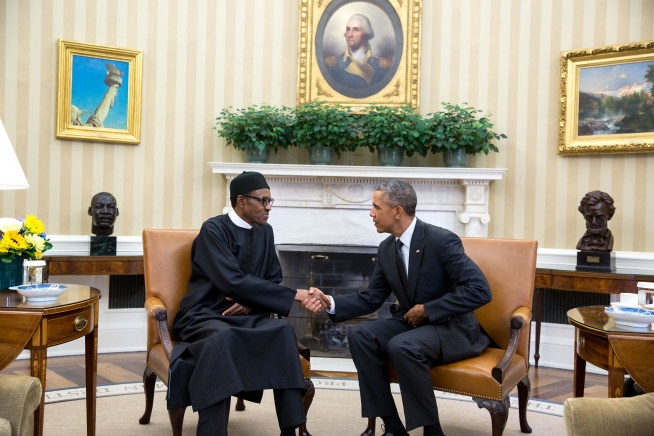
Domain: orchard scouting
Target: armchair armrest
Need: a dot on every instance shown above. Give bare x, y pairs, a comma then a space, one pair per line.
157, 311
19, 398
520, 318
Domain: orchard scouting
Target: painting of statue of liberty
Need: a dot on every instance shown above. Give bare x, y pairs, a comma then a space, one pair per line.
99, 92
616, 99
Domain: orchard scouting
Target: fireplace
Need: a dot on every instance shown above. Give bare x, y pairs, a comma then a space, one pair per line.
336, 270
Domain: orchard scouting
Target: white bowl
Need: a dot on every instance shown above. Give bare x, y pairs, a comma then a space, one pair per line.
622, 305
631, 317
40, 293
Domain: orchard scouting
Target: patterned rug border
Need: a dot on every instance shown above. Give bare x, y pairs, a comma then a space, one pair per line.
111, 390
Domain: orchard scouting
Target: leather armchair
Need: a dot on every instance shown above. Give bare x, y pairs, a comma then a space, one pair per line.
167, 267
19, 398
510, 268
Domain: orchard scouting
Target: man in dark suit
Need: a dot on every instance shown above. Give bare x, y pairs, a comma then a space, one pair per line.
435, 323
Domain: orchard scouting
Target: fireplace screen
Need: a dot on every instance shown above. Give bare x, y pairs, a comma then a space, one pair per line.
336, 270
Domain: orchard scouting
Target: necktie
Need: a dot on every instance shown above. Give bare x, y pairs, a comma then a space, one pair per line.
399, 259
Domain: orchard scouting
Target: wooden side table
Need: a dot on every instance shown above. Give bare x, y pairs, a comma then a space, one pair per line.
93, 265
612, 347
567, 279
37, 326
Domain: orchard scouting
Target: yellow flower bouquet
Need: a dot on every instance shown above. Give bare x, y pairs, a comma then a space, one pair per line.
22, 239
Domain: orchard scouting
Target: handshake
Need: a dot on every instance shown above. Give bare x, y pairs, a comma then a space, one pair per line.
313, 299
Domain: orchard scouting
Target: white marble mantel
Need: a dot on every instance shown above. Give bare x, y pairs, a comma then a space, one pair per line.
329, 204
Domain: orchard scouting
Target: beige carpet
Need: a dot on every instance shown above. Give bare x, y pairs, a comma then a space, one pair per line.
334, 412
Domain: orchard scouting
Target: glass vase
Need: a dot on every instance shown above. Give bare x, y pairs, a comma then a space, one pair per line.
256, 155
321, 154
390, 156
11, 274
455, 158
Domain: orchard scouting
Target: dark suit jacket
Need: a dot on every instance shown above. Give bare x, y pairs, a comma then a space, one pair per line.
441, 277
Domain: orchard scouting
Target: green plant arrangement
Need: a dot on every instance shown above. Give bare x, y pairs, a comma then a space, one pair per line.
325, 128
256, 129
457, 128
394, 129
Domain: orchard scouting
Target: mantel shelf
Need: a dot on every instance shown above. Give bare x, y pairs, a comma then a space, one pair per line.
231, 169
330, 204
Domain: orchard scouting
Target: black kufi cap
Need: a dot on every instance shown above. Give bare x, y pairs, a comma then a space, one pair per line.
245, 182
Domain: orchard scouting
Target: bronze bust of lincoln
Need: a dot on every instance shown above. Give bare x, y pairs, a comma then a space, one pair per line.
597, 209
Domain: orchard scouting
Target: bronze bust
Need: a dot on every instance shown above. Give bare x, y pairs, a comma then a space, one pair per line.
597, 209
104, 211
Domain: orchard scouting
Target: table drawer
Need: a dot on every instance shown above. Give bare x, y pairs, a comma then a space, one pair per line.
70, 326
593, 349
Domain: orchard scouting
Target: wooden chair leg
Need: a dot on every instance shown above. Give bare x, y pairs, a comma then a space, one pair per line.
177, 420
499, 411
306, 402
149, 380
240, 405
370, 430
524, 389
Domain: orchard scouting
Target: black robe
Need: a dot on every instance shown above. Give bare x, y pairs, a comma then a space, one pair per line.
219, 356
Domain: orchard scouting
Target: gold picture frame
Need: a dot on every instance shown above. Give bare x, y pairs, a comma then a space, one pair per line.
390, 73
605, 99
99, 93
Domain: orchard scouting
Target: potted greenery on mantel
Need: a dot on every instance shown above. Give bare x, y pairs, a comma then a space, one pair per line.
325, 129
256, 130
394, 131
457, 132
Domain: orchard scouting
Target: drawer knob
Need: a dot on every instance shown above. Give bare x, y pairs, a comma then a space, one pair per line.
80, 323
582, 342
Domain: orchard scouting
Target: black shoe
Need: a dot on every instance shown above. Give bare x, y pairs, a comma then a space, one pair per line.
396, 433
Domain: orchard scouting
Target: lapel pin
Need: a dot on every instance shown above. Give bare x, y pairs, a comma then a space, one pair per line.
417, 251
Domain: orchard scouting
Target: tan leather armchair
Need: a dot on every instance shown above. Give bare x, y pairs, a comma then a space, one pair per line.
510, 267
167, 265
19, 398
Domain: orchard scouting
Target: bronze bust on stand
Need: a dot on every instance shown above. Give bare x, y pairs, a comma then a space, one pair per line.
596, 244
103, 210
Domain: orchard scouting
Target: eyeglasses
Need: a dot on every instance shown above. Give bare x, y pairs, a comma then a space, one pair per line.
264, 201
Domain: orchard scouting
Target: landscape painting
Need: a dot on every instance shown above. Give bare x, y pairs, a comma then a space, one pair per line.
605, 100
616, 99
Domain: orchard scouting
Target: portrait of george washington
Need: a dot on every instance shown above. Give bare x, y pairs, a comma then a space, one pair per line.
359, 46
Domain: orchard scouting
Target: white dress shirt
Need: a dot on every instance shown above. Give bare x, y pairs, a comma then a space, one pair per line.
406, 243
238, 220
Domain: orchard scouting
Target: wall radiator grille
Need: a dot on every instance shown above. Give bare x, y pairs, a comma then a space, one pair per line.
126, 292
557, 303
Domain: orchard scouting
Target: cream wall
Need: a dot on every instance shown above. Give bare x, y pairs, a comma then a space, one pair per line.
203, 55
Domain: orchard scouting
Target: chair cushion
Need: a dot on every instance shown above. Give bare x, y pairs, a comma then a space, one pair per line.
158, 362
473, 376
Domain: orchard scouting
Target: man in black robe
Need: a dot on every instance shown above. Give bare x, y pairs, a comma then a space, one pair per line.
228, 345
437, 286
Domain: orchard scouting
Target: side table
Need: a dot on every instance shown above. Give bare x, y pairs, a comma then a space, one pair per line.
37, 326
565, 278
620, 350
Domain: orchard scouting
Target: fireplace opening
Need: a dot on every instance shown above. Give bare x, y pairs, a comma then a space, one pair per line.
335, 270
